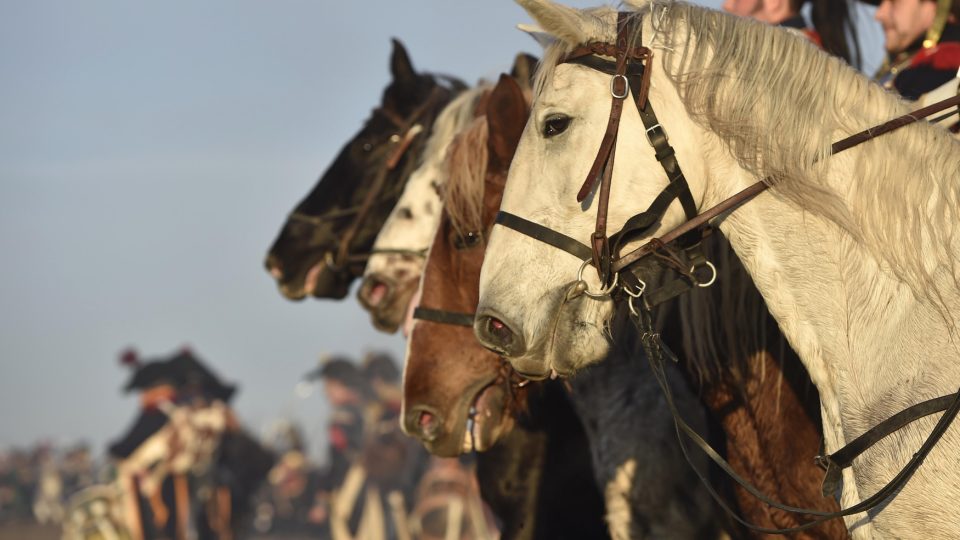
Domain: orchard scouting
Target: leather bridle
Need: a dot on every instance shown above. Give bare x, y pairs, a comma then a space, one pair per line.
631, 76
407, 130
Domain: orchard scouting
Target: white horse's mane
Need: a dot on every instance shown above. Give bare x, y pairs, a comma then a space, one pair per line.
453, 119
778, 103
466, 168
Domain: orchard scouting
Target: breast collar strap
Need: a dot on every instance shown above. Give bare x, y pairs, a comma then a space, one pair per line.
657, 352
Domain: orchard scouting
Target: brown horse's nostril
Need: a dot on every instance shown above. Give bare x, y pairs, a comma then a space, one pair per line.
497, 335
426, 420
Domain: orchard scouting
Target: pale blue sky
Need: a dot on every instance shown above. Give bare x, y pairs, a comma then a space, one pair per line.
148, 154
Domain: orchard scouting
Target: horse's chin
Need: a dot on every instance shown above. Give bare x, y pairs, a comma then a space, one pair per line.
490, 421
322, 281
293, 292
390, 310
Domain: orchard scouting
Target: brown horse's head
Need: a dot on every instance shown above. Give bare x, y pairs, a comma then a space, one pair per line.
450, 380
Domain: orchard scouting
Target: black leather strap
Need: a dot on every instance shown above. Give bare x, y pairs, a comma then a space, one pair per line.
444, 317
655, 350
545, 235
843, 458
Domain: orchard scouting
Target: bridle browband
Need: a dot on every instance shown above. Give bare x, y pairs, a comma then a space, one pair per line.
408, 129
631, 76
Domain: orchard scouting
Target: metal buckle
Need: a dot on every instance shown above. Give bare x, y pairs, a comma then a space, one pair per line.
657, 126
603, 292
330, 259
613, 86
634, 295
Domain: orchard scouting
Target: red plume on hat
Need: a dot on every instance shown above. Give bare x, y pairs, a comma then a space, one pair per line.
129, 358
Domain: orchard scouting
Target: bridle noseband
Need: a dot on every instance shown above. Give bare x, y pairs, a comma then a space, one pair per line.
631, 76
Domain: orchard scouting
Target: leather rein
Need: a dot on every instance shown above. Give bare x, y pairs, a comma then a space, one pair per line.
631, 77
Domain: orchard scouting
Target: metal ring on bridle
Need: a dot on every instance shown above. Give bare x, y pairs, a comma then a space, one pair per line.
603, 292
712, 279
613, 86
331, 261
634, 295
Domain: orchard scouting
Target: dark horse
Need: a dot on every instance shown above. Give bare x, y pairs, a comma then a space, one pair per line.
322, 246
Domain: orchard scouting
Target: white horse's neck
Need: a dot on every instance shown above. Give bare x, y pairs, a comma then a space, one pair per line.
871, 347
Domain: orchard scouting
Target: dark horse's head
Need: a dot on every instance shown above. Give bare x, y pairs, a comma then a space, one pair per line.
458, 396
322, 246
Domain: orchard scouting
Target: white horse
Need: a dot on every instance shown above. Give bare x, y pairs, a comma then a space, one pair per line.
392, 274
855, 255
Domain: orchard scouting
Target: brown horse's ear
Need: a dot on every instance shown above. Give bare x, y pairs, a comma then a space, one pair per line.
400, 65
506, 116
524, 67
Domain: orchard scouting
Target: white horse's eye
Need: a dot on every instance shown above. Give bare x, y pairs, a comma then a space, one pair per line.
555, 125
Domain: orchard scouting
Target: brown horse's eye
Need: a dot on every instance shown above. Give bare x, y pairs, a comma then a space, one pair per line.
367, 146
555, 125
467, 240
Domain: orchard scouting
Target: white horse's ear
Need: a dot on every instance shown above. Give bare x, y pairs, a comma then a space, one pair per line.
538, 35
565, 23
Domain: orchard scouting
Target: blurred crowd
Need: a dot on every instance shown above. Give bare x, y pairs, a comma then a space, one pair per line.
376, 482
186, 468
35, 483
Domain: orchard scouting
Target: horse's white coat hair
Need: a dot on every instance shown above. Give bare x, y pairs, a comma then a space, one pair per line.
413, 221
855, 255
616, 495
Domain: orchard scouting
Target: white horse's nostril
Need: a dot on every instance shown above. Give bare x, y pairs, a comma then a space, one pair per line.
377, 293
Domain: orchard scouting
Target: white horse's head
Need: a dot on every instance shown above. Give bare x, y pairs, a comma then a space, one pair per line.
525, 310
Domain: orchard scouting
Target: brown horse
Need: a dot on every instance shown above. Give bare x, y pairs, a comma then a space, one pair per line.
770, 427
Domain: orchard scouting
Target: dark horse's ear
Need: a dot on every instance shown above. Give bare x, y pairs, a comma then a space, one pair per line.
400, 65
506, 115
524, 66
